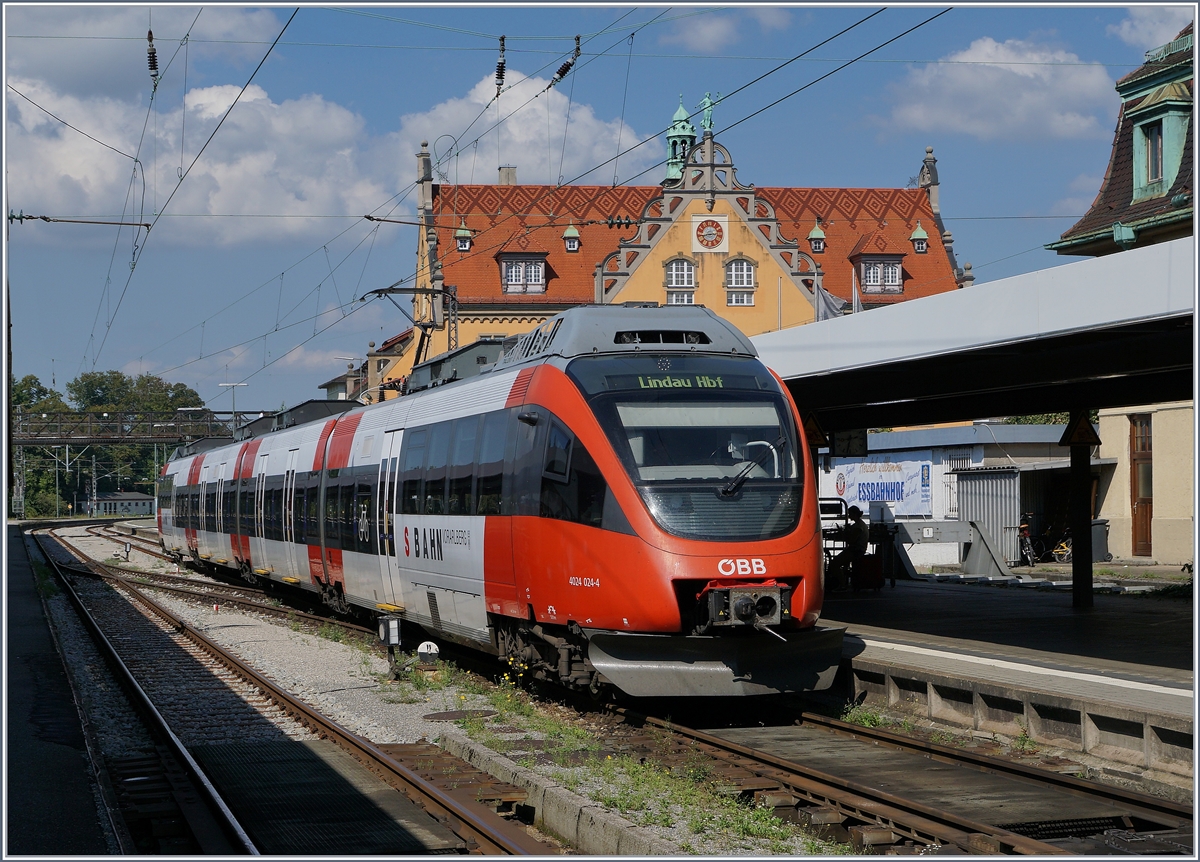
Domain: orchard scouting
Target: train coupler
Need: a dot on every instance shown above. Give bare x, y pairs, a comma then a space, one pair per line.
756, 605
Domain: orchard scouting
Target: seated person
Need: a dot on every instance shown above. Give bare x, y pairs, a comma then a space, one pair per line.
854, 534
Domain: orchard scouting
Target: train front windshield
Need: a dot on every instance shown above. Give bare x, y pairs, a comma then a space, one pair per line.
709, 441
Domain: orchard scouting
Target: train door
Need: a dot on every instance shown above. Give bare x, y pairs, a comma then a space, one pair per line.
389, 463
219, 527
258, 543
289, 516
203, 544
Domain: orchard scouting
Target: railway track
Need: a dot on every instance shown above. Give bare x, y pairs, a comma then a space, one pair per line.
245, 743
886, 793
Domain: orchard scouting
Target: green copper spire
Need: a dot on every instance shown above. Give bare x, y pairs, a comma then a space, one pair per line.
680, 138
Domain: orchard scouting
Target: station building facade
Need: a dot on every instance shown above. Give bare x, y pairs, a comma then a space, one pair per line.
765, 258
1012, 470
1147, 197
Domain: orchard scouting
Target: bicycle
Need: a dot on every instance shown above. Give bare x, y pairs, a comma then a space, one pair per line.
1032, 549
1062, 551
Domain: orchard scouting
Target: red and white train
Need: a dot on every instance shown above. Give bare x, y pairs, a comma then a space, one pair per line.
623, 498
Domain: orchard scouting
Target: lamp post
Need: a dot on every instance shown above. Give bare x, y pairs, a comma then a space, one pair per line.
233, 392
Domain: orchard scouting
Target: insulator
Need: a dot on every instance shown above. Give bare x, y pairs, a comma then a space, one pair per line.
151, 55
500, 69
563, 69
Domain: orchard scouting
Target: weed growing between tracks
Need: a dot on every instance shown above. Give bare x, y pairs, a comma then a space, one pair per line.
44, 580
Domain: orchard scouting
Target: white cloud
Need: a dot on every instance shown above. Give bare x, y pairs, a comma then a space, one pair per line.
703, 33
1085, 186
531, 139
1007, 90
710, 33
89, 50
1147, 27
301, 157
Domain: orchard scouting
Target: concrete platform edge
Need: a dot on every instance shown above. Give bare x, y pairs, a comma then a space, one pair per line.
587, 827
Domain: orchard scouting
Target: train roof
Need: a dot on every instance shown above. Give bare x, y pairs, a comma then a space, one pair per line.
591, 329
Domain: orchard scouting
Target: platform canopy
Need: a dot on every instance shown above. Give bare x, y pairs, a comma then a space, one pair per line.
1112, 331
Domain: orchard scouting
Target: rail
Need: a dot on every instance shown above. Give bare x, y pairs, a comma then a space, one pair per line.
154, 719
482, 830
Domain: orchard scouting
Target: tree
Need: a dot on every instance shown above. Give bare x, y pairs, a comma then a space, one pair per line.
29, 395
112, 390
1049, 418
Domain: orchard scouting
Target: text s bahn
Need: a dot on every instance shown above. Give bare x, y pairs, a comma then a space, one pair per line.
623, 498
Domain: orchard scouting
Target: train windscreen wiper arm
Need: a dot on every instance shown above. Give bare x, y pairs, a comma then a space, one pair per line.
740, 479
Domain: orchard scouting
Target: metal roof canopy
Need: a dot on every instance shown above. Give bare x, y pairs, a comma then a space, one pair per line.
1113, 331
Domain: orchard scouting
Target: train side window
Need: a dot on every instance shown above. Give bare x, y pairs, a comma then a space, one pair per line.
245, 514
524, 467
346, 517
312, 510
210, 505
412, 493
491, 462
333, 533
435, 470
461, 499
298, 509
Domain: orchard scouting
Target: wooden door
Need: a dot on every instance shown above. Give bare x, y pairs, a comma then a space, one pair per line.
1141, 482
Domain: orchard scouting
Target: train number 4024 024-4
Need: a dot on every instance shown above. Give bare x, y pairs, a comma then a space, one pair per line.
583, 582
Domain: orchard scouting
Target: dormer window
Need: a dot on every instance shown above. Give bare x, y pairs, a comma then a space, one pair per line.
462, 237
1154, 151
919, 239
881, 276
816, 238
571, 238
524, 275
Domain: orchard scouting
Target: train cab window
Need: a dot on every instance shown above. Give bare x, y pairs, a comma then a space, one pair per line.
435, 469
558, 453
573, 489
412, 493
461, 497
491, 462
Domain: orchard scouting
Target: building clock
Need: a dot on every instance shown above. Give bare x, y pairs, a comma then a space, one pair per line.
709, 233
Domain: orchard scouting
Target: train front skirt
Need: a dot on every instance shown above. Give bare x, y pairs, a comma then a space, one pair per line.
705, 666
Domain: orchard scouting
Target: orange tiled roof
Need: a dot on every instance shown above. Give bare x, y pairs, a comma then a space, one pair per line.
501, 218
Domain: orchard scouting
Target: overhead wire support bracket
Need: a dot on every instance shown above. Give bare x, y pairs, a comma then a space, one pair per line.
12, 217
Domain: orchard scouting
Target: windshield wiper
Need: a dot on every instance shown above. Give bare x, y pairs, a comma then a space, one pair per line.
739, 480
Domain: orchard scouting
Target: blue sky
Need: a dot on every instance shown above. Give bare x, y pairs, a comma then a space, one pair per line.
263, 243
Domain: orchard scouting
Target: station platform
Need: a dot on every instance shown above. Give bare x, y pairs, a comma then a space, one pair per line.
1115, 680
51, 809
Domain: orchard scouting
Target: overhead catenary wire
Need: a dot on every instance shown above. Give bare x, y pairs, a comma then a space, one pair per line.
167, 202
481, 247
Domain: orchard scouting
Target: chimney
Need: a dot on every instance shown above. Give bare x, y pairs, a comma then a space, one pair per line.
508, 175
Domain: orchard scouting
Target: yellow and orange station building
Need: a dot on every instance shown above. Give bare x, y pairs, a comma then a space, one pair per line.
764, 258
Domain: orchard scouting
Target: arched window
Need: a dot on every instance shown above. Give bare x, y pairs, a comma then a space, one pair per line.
681, 282
739, 283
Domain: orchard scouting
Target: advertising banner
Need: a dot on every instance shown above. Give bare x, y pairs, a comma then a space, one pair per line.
905, 484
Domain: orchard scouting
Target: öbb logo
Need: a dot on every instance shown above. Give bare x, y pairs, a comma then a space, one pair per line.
742, 566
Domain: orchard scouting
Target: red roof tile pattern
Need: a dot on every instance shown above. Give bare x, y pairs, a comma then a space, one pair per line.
1113, 202
848, 216
501, 218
